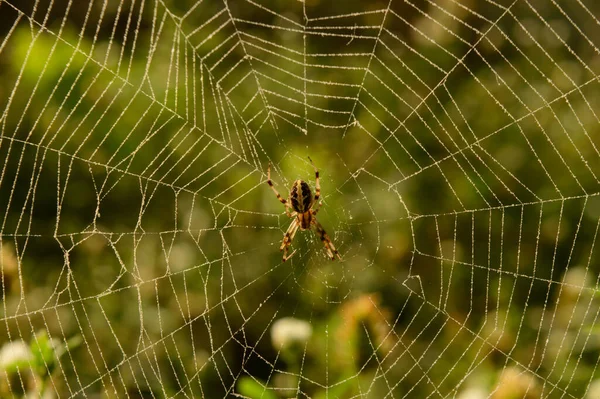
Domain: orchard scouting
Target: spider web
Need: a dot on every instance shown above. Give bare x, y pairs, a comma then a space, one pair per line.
456, 142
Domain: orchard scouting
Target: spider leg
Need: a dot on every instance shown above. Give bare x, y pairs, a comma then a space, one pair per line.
279, 197
287, 239
317, 183
314, 211
331, 251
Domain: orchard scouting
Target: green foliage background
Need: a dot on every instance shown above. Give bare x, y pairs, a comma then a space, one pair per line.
459, 177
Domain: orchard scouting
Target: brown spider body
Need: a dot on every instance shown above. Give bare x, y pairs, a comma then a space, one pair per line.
301, 201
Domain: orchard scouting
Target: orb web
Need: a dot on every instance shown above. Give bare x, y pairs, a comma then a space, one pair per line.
456, 142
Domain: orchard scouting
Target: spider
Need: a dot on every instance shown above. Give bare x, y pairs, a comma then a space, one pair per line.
304, 215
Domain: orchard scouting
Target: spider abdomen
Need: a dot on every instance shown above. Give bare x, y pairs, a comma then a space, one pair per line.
301, 196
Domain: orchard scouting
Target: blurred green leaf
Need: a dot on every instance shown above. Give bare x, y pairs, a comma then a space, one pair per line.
43, 353
253, 389
16, 365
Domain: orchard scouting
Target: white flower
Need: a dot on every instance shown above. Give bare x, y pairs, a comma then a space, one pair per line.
594, 390
473, 393
12, 352
288, 330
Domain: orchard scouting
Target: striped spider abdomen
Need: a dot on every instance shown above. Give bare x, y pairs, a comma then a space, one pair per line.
301, 196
